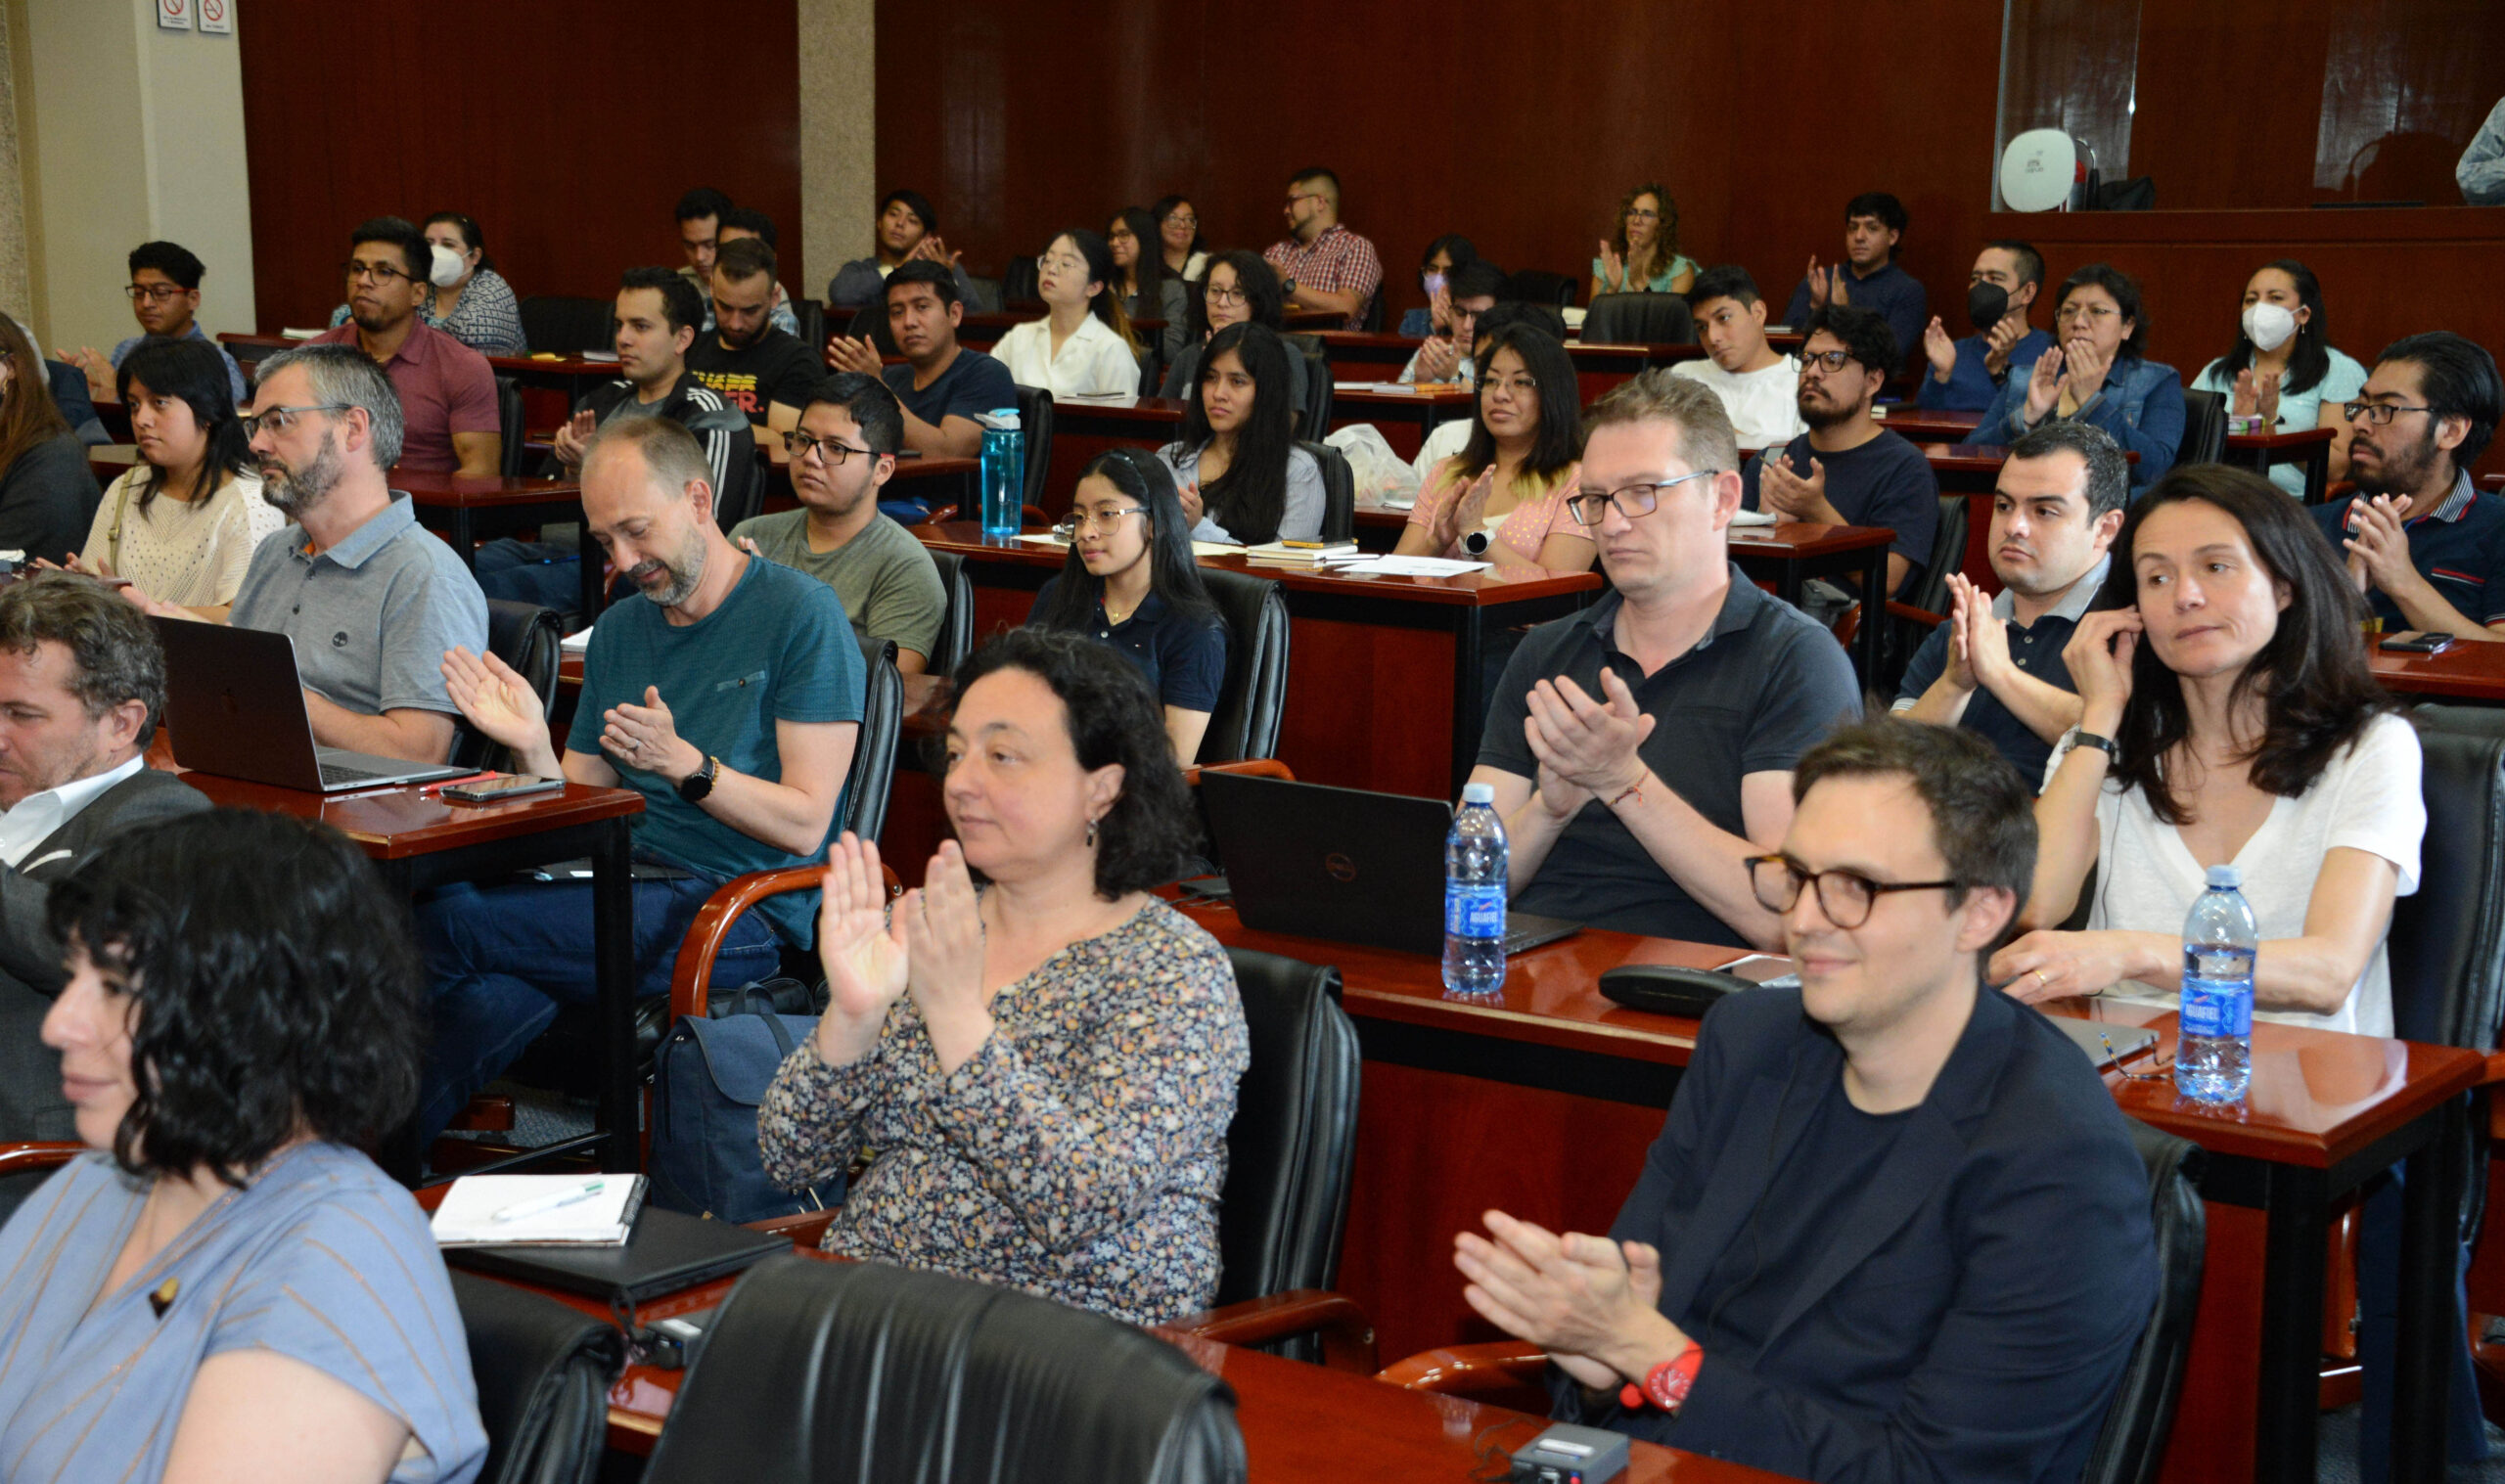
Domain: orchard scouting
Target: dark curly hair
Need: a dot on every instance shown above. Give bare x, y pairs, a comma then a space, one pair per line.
1114, 717
274, 983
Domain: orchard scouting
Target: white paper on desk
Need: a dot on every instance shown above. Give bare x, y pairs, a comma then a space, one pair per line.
1394, 388
599, 355
1755, 517
575, 644
1058, 541
1412, 567
1101, 398
605, 1220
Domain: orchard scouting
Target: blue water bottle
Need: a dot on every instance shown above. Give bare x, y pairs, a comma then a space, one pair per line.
1476, 862
2213, 1051
1004, 473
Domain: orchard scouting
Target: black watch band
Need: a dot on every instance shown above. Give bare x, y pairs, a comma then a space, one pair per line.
694, 785
2103, 745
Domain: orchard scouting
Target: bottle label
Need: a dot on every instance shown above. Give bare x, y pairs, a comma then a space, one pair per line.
2216, 1006
1475, 912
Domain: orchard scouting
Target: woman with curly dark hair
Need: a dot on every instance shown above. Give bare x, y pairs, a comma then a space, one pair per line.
1043, 1068
224, 1283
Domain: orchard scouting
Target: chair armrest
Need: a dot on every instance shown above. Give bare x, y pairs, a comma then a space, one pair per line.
1250, 767
1462, 1369
938, 514
1347, 1334
27, 1158
1907, 611
696, 951
806, 1229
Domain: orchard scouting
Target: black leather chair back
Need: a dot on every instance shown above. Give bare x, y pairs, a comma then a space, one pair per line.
823, 1372
1018, 282
1313, 416
2132, 1440
985, 299
810, 316
524, 636
1293, 1141
743, 491
1947, 555
509, 424
1537, 286
870, 321
1639, 319
1250, 705
2447, 939
1371, 321
2205, 428
569, 324
957, 619
543, 1373
1338, 492
1035, 421
874, 750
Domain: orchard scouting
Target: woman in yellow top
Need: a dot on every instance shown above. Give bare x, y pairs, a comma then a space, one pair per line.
1502, 498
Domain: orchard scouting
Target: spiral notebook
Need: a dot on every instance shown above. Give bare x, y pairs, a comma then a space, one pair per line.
540, 1211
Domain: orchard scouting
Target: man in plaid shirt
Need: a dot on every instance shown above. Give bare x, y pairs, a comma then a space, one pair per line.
1322, 264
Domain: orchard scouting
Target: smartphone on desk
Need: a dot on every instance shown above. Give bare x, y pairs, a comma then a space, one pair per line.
496, 790
1765, 970
2434, 642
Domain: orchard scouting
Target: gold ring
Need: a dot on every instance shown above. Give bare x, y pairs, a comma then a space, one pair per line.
2042, 980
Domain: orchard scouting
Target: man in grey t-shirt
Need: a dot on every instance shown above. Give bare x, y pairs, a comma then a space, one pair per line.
843, 451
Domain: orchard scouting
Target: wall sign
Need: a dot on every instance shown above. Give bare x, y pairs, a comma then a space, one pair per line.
174, 14
216, 17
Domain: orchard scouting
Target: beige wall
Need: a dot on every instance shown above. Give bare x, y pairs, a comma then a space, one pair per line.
839, 126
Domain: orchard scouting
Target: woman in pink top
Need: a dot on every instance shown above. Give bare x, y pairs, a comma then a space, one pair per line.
1502, 498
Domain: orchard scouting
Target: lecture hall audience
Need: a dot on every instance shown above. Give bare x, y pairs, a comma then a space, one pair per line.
748, 221
1237, 288
2098, 372
1237, 466
1435, 273
907, 230
1147, 288
1759, 385
1178, 235
1321, 265
447, 392
47, 496
1502, 498
1468, 293
465, 297
2284, 369
942, 385
1869, 277
762, 371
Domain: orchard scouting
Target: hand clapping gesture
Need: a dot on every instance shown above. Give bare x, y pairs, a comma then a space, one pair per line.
2044, 386
2378, 546
645, 737
863, 951
1940, 349
2083, 368
1464, 512
1438, 359
1982, 640
2001, 340
1781, 490
503, 707
1591, 745
1578, 1296
846, 352
931, 248
571, 435
1612, 268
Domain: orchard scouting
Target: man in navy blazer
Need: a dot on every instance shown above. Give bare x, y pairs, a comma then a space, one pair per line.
1893, 1227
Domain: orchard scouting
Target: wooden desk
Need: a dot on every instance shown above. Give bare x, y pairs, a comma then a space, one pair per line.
1404, 417
1545, 1103
1927, 424
549, 386
2261, 452
2468, 671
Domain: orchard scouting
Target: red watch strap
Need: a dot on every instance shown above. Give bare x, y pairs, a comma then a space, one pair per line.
1666, 1384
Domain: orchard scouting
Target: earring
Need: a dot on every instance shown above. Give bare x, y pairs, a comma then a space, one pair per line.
1091, 834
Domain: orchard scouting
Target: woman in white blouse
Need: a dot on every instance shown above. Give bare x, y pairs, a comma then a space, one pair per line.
182, 523
2229, 718
1084, 347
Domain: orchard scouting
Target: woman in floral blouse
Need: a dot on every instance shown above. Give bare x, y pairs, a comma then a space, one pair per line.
1042, 1072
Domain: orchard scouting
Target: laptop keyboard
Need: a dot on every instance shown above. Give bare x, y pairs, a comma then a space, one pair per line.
336, 775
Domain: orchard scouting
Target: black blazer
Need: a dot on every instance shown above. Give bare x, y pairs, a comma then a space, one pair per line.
28, 952
1981, 1289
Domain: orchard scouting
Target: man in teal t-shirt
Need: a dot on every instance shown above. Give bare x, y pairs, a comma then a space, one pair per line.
730, 699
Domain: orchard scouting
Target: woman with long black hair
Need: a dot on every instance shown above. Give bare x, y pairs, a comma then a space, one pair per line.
1237, 467
1147, 288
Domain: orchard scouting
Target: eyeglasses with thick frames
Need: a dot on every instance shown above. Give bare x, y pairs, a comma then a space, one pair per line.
1233, 295
1845, 896
154, 293
1632, 501
1832, 360
829, 452
381, 273
1178, 220
276, 421
1105, 520
2376, 414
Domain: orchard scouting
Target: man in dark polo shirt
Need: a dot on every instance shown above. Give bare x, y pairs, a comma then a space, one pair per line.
1642, 749
942, 385
2426, 547
1995, 666
447, 390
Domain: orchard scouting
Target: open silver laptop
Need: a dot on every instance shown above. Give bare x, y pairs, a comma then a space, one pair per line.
236, 709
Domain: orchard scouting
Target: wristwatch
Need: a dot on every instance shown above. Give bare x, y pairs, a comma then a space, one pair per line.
1666, 1384
2103, 745
694, 785
1475, 543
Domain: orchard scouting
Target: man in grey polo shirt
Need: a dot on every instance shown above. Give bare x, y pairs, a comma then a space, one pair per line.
1642, 749
370, 598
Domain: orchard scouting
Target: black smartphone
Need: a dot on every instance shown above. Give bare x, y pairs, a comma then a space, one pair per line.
495, 791
2419, 644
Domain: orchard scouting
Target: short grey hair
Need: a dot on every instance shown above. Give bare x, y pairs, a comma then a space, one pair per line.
2109, 471
347, 374
110, 642
671, 455
1705, 438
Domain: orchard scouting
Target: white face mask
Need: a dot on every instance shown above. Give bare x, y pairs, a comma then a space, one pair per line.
448, 266
2267, 326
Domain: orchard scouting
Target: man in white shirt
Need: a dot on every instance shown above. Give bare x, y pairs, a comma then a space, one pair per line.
1758, 388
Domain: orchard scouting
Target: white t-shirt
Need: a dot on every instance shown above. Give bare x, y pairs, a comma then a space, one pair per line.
188, 552
1448, 439
1765, 405
2368, 800
1093, 362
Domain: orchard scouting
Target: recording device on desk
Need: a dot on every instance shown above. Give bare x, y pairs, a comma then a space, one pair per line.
1569, 1455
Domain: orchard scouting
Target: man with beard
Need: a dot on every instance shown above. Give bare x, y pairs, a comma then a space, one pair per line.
841, 455
1848, 469
447, 392
2426, 548
757, 368
730, 699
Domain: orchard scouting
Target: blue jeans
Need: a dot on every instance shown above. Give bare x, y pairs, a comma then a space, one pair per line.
501, 959
2379, 1234
532, 571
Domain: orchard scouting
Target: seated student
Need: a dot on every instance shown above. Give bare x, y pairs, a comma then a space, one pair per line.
165, 297
465, 297
1848, 469
2283, 368
657, 318
1237, 469
841, 455
737, 775
1321, 265
1759, 386
1893, 1227
229, 1286
1178, 238
1995, 666
1449, 437
1237, 289
68, 387
1435, 275
1046, 1069
907, 231
1644, 257
2098, 374
447, 392
371, 599
764, 372
1642, 749
1966, 372
2424, 545
47, 493
1469, 293
748, 221
699, 227
942, 385
1132, 583
1084, 347
1874, 223
1502, 498
2481, 171
1147, 288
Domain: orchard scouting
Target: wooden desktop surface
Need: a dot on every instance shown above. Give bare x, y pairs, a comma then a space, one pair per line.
2468, 671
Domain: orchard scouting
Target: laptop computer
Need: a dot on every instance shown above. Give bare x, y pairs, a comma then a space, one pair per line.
1343, 865
236, 709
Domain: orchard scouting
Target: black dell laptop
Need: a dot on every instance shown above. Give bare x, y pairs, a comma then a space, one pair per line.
1343, 865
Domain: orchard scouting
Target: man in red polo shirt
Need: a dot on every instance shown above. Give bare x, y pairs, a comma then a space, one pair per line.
1322, 264
447, 392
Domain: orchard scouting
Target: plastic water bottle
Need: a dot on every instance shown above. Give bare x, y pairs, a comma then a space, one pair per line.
1004, 473
1475, 866
2213, 1053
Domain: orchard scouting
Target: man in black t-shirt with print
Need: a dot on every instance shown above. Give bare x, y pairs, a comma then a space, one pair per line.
757, 368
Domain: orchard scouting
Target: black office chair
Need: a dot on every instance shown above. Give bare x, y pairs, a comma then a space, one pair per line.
874, 750
1313, 415
957, 619
543, 1373
567, 324
810, 316
2205, 428
871, 321
2132, 1440
1018, 283
1911, 621
972, 1381
985, 297
1338, 492
1254, 697
1035, 421
526, 637
1371, 321
509, 423
743, 491
1639, 319
1537, 286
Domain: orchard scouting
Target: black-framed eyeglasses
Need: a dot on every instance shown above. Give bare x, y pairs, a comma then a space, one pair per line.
2376, 414
278, 419
1217, 296
829, 451
154, 293
1632, 500
1843, 896
2163, 1070
381, 273
1832, 360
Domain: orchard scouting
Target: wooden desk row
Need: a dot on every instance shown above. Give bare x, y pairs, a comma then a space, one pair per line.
2261, 452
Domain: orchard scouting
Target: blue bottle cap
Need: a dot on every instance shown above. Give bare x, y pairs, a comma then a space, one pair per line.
2225, 877
1479, 793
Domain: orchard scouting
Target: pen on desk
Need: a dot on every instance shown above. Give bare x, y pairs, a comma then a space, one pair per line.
523, 1211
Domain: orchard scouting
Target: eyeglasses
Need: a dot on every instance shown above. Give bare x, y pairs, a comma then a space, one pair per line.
381, 273
1105, 520
829, 451
154, 293
2084, 312
1178, 220
2376, 414
1640, 214
1217, 296
278, 419
1832, 360
1062, 264
1845, 896
1514, 386
1631, 501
